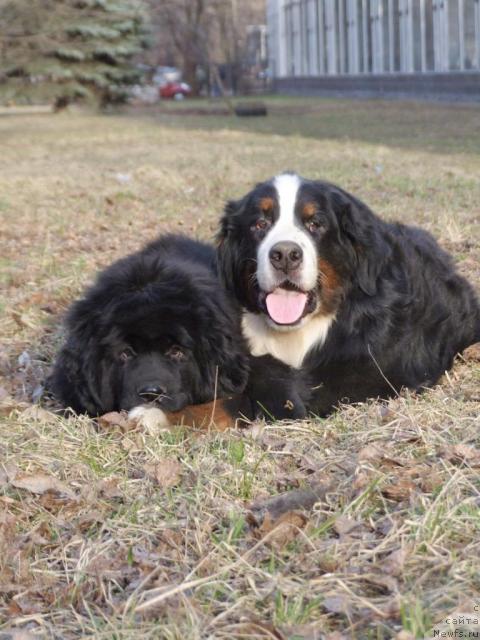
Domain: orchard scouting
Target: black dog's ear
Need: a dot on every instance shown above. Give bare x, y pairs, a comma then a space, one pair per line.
84, 373
82, 379
230, 249
363, 231
231, 209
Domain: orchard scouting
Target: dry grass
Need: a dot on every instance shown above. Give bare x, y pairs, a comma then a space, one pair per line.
97, 521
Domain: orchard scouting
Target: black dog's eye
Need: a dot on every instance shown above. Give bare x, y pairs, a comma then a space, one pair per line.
261, 224
127, 354
176, 353
315, 225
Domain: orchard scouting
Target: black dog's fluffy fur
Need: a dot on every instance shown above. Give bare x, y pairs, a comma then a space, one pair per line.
402, 312
157, 328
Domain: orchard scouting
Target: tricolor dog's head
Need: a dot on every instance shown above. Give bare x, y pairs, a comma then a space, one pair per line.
292, 248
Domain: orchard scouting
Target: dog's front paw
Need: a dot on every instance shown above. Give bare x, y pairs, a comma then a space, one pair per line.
151, 419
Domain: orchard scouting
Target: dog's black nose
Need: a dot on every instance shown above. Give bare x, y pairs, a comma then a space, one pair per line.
286, 256
151, 392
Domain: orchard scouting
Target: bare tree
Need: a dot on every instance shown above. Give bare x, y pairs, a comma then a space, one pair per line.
183, 24
205, 33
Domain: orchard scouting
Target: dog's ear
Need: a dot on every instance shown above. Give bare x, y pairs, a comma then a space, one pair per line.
231, 209
362, 230
82, 379
84, 374
230, 247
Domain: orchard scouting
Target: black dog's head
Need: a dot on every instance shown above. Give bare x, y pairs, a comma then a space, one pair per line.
156, 328
291, 249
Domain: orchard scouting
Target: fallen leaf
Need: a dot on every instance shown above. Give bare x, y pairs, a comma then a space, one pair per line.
166, 473
337, 604
399, 490
461, 454
40, 483
361, 480
472, 353
108, 487
113, 419
371, 452
8, 524
37, 539
382, 581
282, 530
90, 518
38, 414
8, 404
17, 634
54, 502
432, 482
344, 525
394, 563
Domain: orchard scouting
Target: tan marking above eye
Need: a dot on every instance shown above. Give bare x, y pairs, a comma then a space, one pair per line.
309, 210
266, 205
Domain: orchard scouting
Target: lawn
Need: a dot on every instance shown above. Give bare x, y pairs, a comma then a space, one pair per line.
113, 533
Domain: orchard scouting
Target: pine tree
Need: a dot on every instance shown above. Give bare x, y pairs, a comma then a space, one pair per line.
70, 50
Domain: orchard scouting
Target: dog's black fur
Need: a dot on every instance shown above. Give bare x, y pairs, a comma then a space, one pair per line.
402, 312
156, 328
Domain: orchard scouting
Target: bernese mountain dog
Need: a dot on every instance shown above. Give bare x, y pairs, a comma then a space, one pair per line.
338, 305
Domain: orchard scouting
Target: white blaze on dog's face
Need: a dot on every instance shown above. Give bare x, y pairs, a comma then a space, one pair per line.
286, 304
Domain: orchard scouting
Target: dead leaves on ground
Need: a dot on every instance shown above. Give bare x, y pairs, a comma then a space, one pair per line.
400, 476
461, 454
346, 550
40, 483
114, 419
165, 473
278, 532
472, 353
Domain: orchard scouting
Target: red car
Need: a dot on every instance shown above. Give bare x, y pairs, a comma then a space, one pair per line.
175, 90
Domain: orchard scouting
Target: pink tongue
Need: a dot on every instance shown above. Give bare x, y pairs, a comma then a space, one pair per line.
286, 307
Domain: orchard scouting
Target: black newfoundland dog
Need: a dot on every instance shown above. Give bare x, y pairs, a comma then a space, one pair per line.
338, 305
156, 328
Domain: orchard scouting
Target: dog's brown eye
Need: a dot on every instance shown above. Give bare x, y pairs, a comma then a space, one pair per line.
127, 354
314, 225
175, 353
261, 224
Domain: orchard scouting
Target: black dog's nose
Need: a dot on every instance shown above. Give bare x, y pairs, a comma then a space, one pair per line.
286, 256
151, 392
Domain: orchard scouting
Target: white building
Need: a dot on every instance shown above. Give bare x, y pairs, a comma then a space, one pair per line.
375, 44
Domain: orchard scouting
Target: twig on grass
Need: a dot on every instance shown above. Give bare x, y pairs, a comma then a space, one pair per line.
285, 502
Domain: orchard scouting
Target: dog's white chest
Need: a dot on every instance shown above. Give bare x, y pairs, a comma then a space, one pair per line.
290, 347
